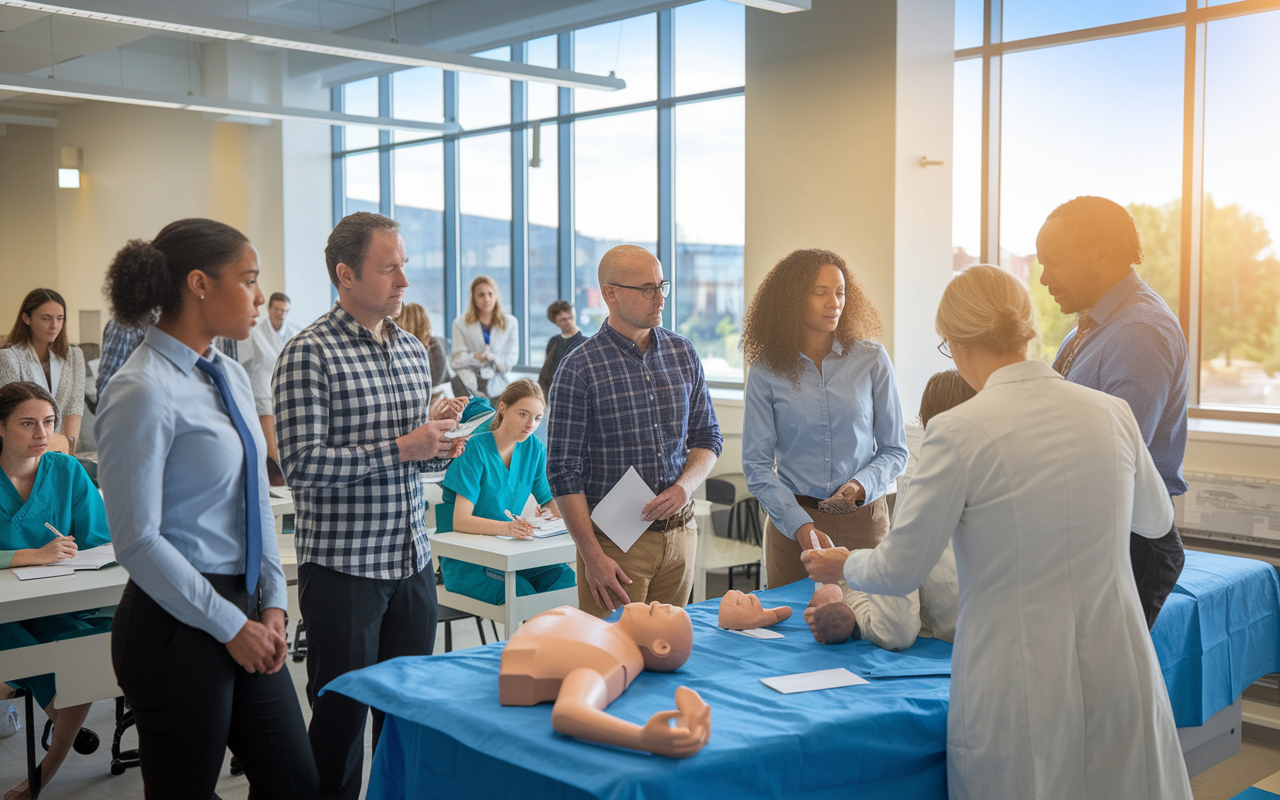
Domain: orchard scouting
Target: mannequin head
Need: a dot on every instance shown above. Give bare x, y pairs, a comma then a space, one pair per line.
834, 623
663, 632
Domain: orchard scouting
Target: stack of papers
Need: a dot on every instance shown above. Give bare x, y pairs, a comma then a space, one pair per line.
94, 558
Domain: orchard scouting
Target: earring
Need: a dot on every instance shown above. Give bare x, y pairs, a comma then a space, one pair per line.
201, 297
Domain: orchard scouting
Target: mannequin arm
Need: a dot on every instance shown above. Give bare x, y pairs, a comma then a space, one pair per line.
579, 711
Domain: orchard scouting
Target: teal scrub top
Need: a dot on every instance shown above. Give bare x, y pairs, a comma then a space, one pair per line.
64, 497
480, 476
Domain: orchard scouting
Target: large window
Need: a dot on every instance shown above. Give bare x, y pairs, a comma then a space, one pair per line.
1165, 110
542, 181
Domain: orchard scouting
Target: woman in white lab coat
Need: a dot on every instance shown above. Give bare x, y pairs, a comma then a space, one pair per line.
485, 341
1055, 690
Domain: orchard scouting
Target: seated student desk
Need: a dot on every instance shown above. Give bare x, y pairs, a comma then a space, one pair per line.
446, 734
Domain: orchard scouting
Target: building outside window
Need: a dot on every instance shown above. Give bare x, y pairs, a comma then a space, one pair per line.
542, 181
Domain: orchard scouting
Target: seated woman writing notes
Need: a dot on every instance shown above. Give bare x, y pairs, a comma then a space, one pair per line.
49, 509
486, 488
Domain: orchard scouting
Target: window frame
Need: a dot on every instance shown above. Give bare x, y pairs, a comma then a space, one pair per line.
520, 123
1195, 21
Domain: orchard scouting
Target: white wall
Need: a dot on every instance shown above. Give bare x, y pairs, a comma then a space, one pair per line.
307, 168
28, 180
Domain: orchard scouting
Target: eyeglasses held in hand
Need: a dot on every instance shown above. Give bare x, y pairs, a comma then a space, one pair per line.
648, 292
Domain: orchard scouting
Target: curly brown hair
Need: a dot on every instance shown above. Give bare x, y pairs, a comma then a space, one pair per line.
770, 333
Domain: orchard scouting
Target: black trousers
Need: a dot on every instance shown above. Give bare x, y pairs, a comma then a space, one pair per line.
192, 701
354, 622
1157, 563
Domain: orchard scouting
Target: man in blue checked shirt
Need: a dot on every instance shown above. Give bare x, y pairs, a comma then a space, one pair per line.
633, 395
1127, 343
352, 396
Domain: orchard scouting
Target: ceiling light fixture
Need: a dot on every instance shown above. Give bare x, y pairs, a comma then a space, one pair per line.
142, 97
310, 41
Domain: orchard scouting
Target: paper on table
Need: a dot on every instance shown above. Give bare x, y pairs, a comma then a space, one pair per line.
94, 558
31, 573
544, 528
621, 513
760, 633
813, 681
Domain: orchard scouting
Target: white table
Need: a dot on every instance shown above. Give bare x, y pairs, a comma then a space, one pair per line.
508, 556
715, 552
82, 666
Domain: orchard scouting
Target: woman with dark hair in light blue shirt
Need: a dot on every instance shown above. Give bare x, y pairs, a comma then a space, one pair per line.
198, 640
822, 432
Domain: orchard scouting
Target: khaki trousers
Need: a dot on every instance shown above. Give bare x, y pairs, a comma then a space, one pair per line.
861, 529
660, 566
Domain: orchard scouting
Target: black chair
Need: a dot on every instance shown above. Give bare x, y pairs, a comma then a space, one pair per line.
86, 742
122, 759
450, 615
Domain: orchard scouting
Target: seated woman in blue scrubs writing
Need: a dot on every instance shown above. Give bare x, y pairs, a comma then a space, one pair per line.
43, 490
486, 488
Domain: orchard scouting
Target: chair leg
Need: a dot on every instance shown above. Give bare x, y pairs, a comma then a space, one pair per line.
480, 627
494, 626
33, 773
448, 636
731, 579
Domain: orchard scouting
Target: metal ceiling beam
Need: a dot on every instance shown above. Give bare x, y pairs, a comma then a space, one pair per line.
142, 97
127, 12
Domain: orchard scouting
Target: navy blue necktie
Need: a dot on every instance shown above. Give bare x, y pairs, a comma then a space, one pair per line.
253, 514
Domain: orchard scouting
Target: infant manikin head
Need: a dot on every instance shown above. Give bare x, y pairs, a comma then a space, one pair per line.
740, 611
664, 633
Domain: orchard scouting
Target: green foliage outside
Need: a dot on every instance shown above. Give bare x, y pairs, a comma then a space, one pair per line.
714, 336
1240, 283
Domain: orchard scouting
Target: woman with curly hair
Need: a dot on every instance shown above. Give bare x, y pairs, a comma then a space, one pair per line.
821, 405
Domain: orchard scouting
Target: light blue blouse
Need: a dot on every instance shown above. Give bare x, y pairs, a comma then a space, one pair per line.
480, 476
62, 496
841, 424
171, 467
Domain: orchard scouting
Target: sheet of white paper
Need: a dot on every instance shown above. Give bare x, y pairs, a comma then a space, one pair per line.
621, 513
548, 527
760, 633
468, 427
95, 558
813, 681
31, 573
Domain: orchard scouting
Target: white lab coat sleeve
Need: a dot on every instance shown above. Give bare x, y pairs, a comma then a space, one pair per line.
889, 622
1152, 508
506, 345
928, 516
462, 353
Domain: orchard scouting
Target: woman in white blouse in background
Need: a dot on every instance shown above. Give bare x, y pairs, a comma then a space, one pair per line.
37, 351
1056, 691
485, 341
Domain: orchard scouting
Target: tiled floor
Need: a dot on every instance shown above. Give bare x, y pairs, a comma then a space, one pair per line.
89, 776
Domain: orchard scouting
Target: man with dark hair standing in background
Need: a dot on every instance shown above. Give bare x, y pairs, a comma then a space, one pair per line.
1126, 343
352, 396
561, 313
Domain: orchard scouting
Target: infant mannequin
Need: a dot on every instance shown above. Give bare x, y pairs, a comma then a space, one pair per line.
740, 612
583, 664
829, 619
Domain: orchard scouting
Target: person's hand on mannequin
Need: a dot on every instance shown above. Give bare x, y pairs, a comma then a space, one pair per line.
691, 731
825, 565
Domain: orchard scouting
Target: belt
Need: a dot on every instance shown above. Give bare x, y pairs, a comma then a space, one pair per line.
676, 520
806, 501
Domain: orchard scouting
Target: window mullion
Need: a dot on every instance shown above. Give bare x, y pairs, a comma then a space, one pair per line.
1192, 227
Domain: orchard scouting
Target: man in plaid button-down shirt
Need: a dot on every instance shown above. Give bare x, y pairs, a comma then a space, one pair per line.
352, 395
632, 395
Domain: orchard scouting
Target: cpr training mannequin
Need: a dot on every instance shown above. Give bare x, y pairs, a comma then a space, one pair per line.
741, 612
584, 664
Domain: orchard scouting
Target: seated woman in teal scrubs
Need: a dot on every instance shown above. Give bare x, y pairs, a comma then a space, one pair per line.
495, 475
41, 487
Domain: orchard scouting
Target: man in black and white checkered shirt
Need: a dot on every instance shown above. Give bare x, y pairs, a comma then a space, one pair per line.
355, 429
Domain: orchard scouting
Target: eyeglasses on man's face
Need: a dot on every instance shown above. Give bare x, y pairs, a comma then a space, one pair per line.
944, 348
647, 292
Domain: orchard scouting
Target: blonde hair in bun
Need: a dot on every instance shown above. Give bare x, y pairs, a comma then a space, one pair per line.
986, 307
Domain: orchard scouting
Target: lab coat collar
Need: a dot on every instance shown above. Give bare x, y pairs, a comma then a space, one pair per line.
55, 368
1028, 370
